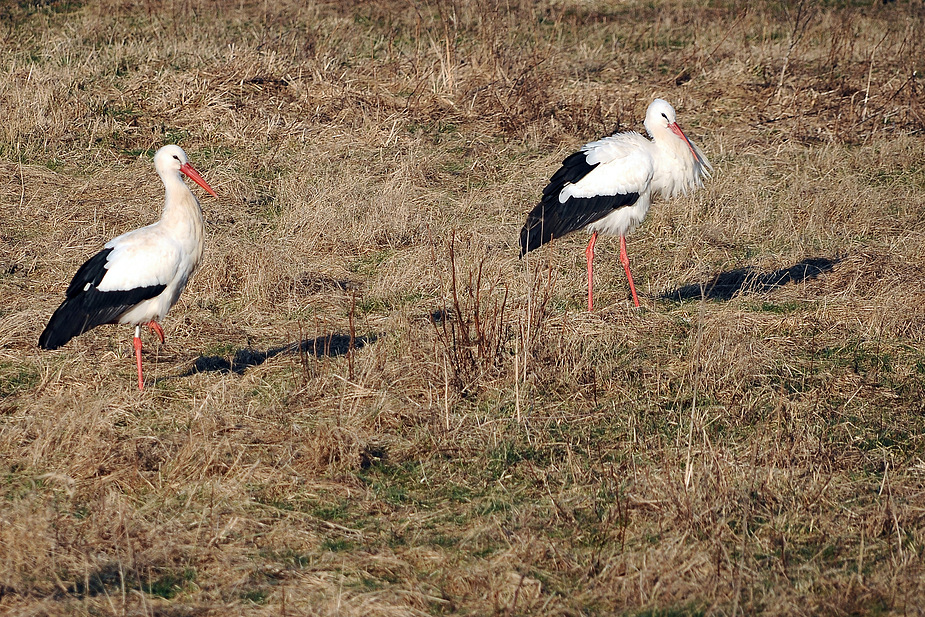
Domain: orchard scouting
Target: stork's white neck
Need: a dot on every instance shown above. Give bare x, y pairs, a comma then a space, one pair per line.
676, 168
181, 208
173, 180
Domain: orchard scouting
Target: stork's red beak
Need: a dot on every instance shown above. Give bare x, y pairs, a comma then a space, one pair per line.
195, 177
677, 131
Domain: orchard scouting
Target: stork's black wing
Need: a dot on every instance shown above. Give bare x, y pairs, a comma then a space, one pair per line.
553, 219
86, 307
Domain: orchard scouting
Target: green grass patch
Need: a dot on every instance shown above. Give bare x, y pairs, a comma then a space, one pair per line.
16, 378
170, 583
337, 545
368, 264
255, 596
777, 309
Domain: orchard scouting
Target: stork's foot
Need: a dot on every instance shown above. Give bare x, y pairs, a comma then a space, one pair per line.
156, 329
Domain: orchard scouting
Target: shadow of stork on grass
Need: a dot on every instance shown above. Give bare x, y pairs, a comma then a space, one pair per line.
329, 346
726, 285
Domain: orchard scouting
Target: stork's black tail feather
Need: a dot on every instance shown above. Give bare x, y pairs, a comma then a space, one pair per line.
69, 320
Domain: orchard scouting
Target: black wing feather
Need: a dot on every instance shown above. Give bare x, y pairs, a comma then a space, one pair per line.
573, 169
553, 219
86, 307
92, 273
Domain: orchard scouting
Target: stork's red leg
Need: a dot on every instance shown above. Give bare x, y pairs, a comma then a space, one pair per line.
625, 260
156, 328
137, 342
589, 253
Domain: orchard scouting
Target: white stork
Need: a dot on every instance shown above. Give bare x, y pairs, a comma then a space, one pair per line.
608, 185
139, 275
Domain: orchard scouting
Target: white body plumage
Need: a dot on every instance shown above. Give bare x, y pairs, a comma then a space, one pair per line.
669, 165
167, 252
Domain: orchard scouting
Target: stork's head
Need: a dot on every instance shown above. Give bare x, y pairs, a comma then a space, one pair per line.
661, 117
170, 159
173, 160
661, 120
660, 114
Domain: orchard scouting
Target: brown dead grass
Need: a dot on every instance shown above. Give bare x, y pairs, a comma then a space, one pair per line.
338, 424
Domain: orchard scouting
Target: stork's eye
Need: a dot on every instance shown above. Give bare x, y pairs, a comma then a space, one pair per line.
664, 116
176, 158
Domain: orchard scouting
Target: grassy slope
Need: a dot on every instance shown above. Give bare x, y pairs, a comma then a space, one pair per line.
748, 442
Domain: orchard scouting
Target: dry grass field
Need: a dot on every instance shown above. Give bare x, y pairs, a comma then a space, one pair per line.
368, 405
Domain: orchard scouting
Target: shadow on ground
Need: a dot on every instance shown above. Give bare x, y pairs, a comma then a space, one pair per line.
328, 346
726, 285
